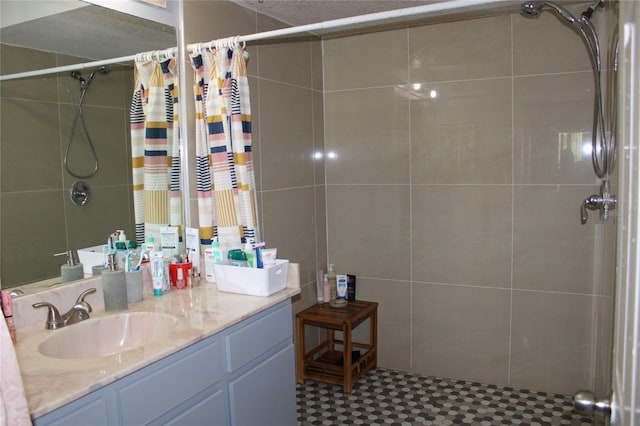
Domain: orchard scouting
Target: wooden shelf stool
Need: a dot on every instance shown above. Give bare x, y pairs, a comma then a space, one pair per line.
322, 363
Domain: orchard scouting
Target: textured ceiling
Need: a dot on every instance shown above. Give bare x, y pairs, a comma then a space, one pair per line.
99, 33
92, 32
301, 12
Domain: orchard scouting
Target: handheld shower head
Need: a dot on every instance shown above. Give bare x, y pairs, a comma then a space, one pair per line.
534, 8
100, 70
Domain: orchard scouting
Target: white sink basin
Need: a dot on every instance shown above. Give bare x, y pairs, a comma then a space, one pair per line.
109, 335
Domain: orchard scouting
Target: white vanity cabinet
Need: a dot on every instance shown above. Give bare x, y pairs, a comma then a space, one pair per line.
244, 375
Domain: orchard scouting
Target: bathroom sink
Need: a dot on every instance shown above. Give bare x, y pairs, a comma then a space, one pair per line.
109, 335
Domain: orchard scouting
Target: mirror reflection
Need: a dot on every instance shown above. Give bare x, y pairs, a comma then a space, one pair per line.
60, 129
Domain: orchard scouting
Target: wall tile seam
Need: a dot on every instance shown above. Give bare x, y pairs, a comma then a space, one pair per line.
34, 191
551, 74
61, 102
290, 188
564, 293
311, 89
40, 101
90, 105
466, 285
512, 290
392, 86
471, 184
513, 197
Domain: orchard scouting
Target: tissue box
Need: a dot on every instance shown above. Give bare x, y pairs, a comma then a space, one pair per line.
252, 281
89, 257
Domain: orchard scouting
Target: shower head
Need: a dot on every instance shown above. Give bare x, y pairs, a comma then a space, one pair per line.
534, 8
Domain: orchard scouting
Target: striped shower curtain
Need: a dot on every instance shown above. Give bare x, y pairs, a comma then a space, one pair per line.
224, 158
155, 147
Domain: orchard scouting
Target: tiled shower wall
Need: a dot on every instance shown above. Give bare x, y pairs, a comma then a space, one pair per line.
462, 155
37, 216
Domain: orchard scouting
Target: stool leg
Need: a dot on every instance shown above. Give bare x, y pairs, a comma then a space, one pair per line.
374, 337
348, 370
301, 350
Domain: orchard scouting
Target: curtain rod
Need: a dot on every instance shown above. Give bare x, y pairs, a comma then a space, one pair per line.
432, 8
451, 5
83, 65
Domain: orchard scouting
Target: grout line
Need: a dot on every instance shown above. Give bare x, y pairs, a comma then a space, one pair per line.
410, 210
513, 155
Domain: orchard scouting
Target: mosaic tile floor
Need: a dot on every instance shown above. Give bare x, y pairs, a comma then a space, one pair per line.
386, 397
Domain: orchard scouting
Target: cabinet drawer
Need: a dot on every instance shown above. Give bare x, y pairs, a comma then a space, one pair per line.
256, 338
178, 378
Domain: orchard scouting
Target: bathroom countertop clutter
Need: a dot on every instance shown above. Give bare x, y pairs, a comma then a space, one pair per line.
51, 382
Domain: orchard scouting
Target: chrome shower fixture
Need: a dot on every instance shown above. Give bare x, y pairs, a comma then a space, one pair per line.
534, 8
84, 86
84, 83
603, 150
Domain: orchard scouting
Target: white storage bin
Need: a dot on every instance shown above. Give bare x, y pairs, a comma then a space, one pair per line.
90, 257
252, 281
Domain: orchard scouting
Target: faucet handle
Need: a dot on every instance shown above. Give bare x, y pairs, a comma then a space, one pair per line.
54, 320
83, 295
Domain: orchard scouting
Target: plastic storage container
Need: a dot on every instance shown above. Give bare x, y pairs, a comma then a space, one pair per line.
252, 281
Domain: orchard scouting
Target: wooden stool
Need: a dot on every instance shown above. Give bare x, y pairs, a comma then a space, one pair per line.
322, 363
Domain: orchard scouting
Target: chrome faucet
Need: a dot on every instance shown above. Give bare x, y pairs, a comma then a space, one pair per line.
79, 312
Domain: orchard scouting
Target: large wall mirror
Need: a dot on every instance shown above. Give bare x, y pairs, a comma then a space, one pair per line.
37, 115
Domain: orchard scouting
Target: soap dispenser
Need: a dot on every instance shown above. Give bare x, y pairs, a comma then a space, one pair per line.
114, 287
72, 270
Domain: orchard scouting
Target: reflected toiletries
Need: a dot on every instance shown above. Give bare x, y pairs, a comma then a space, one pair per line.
73, 269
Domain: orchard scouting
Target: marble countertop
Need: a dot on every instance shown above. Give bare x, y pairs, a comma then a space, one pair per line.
200, 312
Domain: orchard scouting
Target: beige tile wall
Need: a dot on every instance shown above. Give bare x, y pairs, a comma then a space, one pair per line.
36, 214
459, 212
287, 124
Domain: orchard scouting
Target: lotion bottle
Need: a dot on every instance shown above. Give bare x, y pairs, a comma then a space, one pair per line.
331, 277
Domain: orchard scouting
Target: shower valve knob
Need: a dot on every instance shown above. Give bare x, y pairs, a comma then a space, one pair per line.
604, 202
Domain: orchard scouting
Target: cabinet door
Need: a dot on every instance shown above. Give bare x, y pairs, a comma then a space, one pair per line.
93, 409
159, 388
266, 394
